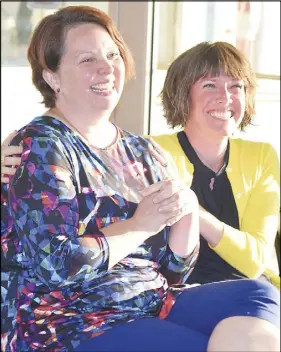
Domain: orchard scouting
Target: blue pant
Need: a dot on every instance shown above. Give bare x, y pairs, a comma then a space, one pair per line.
192, 319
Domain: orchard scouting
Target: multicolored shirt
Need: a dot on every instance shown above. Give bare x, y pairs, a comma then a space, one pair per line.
55, 292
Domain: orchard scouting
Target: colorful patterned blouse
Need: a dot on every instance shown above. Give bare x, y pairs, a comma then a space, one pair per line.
55, 292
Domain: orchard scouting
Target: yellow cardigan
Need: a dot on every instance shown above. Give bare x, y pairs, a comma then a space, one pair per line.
254, 175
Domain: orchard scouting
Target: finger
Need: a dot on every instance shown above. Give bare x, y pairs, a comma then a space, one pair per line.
4, 179
9, 138
8, 170
157, 147
173, 220
11, 150
170, 189
155, 187
164, 159
11, 161
175, 214
177, 197
157, 152
169, 208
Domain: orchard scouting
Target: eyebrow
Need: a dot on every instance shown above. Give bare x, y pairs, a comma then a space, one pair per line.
216, 78
113, 47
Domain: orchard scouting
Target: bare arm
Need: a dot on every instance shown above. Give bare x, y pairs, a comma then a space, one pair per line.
210, 227
95, 252
184, 234
124, 237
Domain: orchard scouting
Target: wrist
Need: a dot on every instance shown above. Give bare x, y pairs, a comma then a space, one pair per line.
138, 226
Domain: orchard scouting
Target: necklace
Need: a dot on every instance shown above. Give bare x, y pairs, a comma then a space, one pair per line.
57, 114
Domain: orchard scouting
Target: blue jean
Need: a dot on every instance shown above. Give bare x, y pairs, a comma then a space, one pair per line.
192, 319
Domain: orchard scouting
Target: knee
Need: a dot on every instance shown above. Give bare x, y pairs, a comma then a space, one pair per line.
244, 334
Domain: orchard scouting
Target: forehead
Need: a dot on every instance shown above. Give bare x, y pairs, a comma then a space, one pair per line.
220, 76
89, 36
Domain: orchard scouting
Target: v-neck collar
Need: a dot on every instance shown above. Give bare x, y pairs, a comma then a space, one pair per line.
196, 161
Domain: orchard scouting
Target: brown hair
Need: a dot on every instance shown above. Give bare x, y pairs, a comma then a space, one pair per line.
197, 62
46, 47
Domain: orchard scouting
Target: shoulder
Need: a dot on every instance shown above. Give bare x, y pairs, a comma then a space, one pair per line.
255, 160
43, 138
169, 142
46, 129
252, 149
43, 126
164, 139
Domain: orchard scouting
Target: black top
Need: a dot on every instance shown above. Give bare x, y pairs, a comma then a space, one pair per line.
214, 194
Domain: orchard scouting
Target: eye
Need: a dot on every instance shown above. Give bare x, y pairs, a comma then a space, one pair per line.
113, 55
209, 85
89, 59
239, 86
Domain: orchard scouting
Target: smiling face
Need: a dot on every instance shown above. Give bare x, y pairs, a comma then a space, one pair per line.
217, 105
91, 73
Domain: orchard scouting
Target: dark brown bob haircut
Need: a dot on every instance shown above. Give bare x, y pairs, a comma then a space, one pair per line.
47, 44
200, 61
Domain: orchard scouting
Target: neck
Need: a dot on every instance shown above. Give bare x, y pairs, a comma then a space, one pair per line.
99, 133
210, 150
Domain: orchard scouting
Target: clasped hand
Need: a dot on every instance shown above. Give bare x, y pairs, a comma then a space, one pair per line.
163, 204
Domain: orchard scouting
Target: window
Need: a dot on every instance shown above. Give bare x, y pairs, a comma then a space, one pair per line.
20, 99
250, 26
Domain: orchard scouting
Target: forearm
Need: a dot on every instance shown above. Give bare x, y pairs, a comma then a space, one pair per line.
210, 227
248, 252
184, 235
182, 250
123, 238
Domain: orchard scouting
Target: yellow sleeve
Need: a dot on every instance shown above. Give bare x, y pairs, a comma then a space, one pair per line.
249, 250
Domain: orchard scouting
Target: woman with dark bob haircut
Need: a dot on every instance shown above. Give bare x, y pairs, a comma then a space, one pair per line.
209, 92
98, 235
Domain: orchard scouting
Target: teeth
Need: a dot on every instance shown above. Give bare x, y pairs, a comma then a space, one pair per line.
101, 87
221, 115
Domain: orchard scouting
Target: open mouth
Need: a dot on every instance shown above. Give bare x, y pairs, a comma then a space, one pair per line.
103, 89
222, 115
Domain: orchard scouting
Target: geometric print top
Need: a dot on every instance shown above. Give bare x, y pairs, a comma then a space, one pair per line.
55, 292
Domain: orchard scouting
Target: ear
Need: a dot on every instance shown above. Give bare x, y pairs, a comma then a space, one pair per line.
51, 78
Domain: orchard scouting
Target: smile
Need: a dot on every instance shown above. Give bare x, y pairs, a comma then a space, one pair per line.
102, 89
221, 115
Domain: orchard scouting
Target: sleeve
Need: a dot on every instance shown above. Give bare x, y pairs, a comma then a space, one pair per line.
177, 269
45, 212
249, 250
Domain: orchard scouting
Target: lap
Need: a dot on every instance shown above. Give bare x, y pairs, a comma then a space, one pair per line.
192, 319
201, 308
150, 334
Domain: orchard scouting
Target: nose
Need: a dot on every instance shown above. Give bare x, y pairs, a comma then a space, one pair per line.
224, 96
105, 67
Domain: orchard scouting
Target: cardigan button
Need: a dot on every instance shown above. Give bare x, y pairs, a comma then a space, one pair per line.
239, 195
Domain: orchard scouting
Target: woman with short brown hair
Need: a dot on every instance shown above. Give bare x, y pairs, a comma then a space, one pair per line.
210, 92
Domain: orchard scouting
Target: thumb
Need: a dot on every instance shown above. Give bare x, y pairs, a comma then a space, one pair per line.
155, 187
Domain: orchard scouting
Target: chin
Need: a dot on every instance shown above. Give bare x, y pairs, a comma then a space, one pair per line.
105, 105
